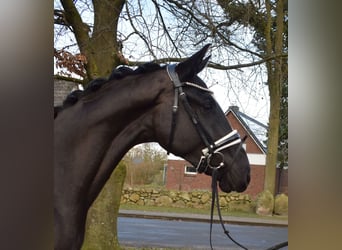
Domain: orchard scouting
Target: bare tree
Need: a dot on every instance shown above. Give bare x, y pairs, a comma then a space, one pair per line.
249, 34
100, 50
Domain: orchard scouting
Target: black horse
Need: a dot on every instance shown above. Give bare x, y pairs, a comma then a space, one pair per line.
95, 128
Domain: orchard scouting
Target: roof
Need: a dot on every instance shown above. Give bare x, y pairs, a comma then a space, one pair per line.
256, 129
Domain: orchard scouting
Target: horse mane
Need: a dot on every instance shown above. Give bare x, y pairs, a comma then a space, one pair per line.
94, 85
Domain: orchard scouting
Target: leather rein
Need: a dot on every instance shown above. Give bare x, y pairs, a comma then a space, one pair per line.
213, 148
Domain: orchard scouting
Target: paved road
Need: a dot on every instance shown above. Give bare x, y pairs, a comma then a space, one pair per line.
195, 235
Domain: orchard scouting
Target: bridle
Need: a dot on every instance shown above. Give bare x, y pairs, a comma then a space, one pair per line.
213, 148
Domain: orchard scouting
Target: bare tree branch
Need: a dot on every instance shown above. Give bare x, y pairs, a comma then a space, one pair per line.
164, 26
73, 17
211, 27
244, 65
210, 64
137, 32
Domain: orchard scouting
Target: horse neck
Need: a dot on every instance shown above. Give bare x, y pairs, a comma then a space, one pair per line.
123, 109
136, 132
125, 100
133, 131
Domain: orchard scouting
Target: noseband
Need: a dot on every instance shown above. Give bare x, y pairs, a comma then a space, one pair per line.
211, 155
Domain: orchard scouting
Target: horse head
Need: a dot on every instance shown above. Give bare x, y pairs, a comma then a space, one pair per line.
197, 129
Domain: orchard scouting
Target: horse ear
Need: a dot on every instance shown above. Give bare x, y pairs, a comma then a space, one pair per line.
189, 68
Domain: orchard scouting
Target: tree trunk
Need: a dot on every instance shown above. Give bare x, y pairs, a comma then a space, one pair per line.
272, 143
101, 227
105, 47
273, 47
101, 49
102, 52
275, 81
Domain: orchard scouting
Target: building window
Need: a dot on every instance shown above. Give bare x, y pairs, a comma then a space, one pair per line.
190, 170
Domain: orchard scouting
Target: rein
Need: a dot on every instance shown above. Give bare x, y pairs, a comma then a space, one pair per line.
213, 148
214, 196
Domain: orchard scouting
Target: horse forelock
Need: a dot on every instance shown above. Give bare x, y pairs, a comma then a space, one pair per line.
94, 85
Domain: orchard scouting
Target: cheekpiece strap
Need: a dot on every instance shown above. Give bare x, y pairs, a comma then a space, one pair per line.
171, 70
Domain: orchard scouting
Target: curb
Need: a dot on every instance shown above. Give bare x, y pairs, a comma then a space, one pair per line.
203, 218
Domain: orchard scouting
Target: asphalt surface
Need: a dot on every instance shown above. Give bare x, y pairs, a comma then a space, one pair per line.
191, 231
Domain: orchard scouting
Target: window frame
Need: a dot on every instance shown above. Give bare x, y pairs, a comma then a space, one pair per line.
189, 172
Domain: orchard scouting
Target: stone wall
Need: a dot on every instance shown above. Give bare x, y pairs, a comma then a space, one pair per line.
193, 199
